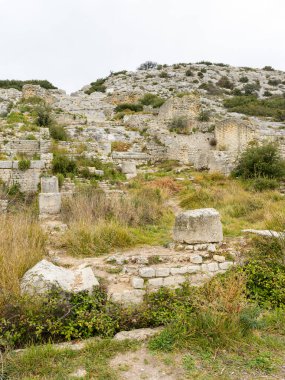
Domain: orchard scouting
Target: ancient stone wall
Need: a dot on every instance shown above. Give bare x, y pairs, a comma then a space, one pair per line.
188, 105
28, 180
234, 135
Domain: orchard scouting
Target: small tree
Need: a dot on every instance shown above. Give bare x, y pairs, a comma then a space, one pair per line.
147, 65
260, 161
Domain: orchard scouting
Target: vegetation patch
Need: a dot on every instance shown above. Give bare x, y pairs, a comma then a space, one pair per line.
273, 107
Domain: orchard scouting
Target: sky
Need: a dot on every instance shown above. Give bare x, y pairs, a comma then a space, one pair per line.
73, 42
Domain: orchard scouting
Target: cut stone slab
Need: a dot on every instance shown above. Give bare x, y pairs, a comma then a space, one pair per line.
49, 185
198, 226
45, 275
138, 334
266, 233
50, 203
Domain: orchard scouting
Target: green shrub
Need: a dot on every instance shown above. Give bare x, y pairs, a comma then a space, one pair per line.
267, 93
189, 73
243, 79
18, 84
97, 86
200, 74
61, 164
179, 125
260, 161
152, 100
261, 184
204, 116
250, 105
210, 88
274, 82
24, 165
135, 107
58, 132
251, 88
266, 282
224, 82
163, 74
268, 68
44, 118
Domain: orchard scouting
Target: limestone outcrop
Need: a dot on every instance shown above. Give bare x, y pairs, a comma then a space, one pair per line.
44, 276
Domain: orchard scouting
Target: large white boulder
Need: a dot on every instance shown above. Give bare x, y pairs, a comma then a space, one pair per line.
198, 226
45, 275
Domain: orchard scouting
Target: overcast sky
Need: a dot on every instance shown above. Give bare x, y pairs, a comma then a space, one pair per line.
74, 42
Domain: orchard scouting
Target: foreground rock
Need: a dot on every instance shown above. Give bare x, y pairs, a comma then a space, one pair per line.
266, 233
138, 334
45, 275
198, 226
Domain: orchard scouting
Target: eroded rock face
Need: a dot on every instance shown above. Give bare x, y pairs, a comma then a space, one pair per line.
198, 226
45, 275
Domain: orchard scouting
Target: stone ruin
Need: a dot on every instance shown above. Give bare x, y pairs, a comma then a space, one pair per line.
196, 256
50, 197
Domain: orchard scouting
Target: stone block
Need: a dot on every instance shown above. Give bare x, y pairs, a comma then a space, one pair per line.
198, 226
129, 168
196, 259
49, 184
137, 282
219, 259
155, 282
147, 272
173, 280
162, 272
193, 268
211, 248
181, 270
50, 203
210, 267
226, 265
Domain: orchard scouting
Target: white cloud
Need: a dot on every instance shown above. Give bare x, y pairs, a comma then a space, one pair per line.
73, 42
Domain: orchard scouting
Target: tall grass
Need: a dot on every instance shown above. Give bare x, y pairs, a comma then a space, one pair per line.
221, 318
240, 207
21, 246
98, 224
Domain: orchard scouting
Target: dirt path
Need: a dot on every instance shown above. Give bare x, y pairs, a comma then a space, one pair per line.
142, 365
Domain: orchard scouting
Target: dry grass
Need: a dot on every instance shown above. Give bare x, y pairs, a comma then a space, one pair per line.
99, 224
21, 246
167, 185
240, 207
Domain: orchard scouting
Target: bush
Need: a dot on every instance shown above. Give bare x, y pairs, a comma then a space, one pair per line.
204, 116
179, 125
250, 105
61, 164
274, 82
261, 184
135, 107
44, 118
268, 68
147, 65
189, 73
152, 100
266, 282
97, 86
224, 82
243, 79
210, 88
163, 74
220, 318
251, 88
57, 132
24, 165
260, 161
18, 84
